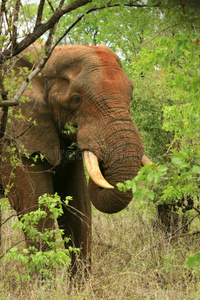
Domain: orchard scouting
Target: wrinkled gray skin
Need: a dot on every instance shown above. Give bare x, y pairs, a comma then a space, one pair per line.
86, 87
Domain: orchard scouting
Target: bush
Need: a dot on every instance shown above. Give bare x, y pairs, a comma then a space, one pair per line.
39, 262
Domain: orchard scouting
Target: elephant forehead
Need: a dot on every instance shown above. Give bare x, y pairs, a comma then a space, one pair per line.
66, 59
89, 66
75, 59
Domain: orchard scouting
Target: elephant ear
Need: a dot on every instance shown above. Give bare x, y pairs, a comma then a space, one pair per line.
32, 126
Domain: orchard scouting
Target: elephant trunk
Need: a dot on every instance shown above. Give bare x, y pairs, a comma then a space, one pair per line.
104, 196
111, 200
122, 162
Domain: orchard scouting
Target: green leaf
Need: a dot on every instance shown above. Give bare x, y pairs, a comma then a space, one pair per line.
133, 187
179, 162
196, 170
193, 261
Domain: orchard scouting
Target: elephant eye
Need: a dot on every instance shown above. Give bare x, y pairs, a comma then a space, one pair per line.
76, 99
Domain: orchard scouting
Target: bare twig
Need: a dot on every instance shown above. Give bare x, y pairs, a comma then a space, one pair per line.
183, 235
195, 208
2, 11
68, 30
39, 13
10, 217
51, 6
51, 34
27, 128
18, 214
3, 124
29, 78
8, 103
5, 111
185, 225
15, 19
12, 247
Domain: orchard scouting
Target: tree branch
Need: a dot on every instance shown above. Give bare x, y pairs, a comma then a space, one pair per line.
195, 208
8, 103
42, 28
14, 25
3, 123
5, 111
51, 6
183, 235
51, 34
2, 11
40, 12
48, 51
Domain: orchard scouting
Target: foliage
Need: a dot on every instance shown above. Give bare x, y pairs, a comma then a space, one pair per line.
174, 62
180, 117
38, 261
128, 29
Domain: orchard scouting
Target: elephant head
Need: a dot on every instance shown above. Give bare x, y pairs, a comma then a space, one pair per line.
85, 86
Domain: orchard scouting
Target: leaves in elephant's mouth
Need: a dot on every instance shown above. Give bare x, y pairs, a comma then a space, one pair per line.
70, 129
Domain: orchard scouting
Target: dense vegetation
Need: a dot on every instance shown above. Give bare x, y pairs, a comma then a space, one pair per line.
137, 253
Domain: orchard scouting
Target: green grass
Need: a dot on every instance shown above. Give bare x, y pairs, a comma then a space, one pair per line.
131, 259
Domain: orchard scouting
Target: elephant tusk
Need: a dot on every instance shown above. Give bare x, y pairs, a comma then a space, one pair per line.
94, 171
146, 161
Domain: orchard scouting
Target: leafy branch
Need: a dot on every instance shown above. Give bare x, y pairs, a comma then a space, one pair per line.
40, 28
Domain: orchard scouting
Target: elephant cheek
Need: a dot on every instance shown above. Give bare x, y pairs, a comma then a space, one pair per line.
87, 139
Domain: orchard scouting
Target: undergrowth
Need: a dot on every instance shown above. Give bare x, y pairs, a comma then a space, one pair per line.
131, 259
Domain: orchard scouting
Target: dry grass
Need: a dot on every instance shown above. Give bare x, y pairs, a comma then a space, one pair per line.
131, 260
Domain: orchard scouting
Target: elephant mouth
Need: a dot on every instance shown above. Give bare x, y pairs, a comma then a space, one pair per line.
95, 169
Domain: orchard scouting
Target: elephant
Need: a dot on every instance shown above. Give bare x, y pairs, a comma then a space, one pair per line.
83, 88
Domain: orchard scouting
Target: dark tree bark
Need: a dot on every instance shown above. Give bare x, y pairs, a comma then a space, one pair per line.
170, 217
